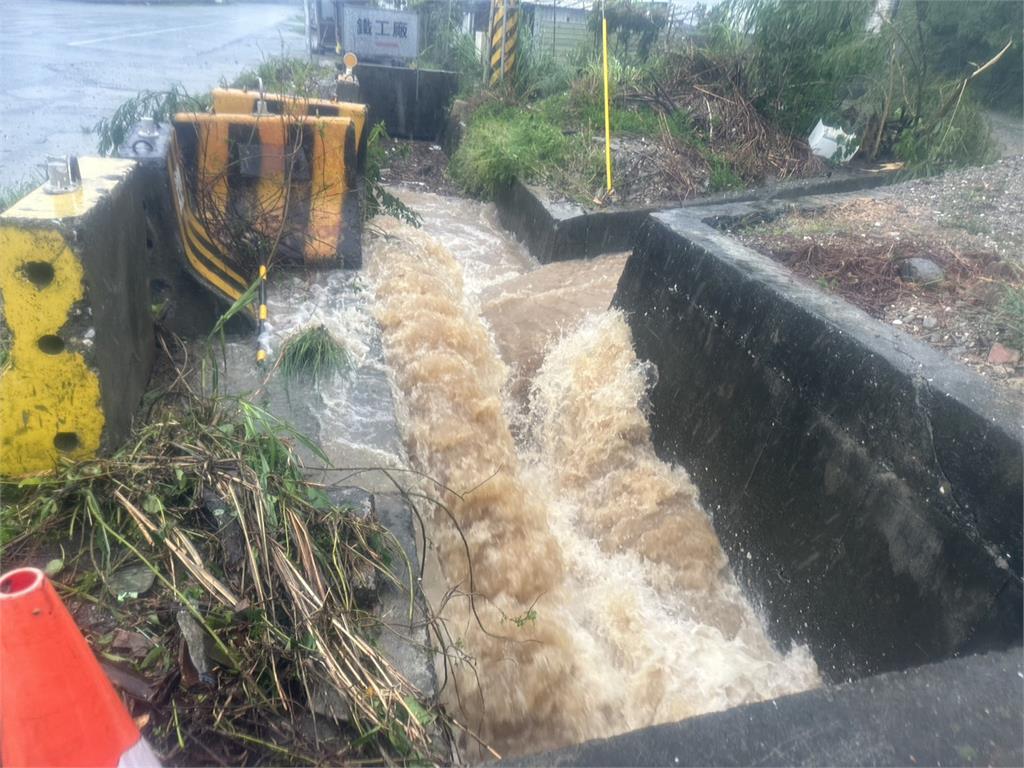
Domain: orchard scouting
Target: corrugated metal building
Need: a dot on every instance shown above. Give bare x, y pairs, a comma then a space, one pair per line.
559, 27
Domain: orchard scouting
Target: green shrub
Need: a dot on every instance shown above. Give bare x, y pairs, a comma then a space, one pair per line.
881, 79
160, 105
12, 193
723, 176
378, 200
286, 74
313, 353
503, 143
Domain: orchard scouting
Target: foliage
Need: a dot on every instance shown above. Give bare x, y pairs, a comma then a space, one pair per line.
723, 176
12, 193
961, 35
312, 353
287, 74
627, 21
502, 143
160, 105
378, 200
538, 72
878, 77
447, 47
5, 345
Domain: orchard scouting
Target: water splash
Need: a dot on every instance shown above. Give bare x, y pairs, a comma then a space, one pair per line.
603, 600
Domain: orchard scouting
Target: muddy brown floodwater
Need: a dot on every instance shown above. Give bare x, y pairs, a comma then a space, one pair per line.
595, 597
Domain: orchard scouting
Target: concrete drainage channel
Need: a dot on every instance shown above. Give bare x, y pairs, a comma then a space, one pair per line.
866, 490
868, 493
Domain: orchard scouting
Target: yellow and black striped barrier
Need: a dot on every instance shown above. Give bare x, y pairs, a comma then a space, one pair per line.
281, 183
504, 37
235, 101
76, 302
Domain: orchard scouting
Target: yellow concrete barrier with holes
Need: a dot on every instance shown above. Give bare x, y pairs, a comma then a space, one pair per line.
234, 101
75, 300
288, 179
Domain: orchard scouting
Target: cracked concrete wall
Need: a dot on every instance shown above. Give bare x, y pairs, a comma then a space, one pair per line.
866, 488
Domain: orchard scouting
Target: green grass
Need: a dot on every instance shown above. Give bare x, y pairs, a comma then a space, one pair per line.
12, 193
5, 346
723, 176
312, 353
503, 143
578, 111
285, 74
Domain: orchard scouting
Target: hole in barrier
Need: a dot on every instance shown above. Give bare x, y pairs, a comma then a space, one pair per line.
39, 273
65, 441
50, 344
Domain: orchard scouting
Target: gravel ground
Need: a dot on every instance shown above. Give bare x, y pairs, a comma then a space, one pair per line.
986, 203
968, 222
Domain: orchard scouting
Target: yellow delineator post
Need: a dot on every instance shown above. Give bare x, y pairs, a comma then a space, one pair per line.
607, 104
504, 37
76, 302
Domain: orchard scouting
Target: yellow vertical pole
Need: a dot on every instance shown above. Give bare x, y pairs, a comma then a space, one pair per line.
607, 104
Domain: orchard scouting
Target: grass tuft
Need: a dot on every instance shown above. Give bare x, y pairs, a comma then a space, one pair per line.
313, 353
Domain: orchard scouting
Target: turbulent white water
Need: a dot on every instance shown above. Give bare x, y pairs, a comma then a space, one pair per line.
602, 600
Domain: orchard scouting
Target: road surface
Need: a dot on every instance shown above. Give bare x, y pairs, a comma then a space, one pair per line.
64, 64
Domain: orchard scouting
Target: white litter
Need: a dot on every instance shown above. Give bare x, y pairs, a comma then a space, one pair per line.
832, 143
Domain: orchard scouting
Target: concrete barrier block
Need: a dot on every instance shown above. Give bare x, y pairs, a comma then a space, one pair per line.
76, 301
183, 306
291, 180
412, 103
866, 488
235, 101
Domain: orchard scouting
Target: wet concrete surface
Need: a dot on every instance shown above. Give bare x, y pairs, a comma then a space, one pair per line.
65, 65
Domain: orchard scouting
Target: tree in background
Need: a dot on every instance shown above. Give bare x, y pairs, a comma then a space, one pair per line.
898, 79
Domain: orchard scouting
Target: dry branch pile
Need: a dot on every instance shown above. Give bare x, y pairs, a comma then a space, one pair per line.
710, 90
250, 637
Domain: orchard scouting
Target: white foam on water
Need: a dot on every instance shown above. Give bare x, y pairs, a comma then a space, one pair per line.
603, 601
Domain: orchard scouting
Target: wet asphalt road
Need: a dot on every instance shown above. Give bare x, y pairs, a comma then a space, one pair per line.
64, 65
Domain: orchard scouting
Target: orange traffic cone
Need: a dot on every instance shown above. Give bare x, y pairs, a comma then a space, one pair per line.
57, 708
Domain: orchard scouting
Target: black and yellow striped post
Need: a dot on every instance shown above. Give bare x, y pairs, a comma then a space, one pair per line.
504, 37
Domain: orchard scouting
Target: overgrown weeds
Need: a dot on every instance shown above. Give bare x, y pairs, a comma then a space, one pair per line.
503, 143
259, 612
112, 131
885, 77
1010, 313
312, 353
12, 193
300, 77
378, 199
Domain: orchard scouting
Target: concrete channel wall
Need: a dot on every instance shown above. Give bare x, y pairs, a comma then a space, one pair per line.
957, 712
558, 231
868, 490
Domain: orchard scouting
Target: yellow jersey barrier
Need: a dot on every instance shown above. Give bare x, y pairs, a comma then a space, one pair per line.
288, 180
76, 302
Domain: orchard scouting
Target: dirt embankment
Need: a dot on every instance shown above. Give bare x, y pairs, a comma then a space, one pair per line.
940, 258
